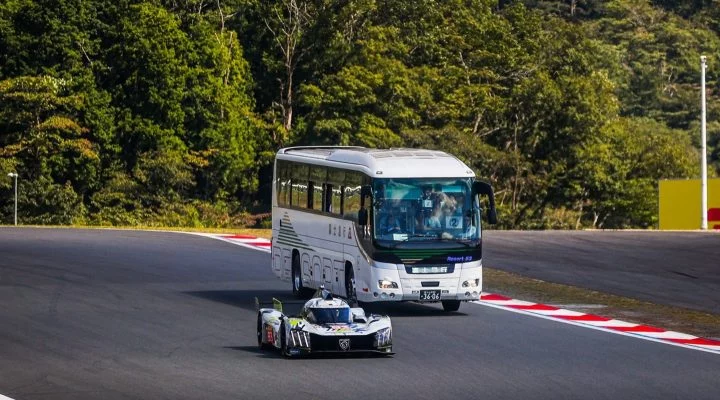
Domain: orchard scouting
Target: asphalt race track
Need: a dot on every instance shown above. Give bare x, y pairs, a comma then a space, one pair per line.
89, 314
674, 268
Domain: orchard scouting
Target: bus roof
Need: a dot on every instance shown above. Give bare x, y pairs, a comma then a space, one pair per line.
381, 163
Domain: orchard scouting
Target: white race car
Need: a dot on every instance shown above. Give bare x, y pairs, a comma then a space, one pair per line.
324, 324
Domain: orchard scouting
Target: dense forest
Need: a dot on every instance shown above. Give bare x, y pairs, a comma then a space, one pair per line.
169, 112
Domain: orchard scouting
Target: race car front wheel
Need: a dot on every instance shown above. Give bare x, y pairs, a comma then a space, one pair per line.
260, 332
283, 341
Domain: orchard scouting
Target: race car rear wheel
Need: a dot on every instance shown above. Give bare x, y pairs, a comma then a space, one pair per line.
451, 305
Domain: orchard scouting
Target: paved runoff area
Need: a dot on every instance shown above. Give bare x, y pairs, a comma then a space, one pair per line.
611, 325
108, 314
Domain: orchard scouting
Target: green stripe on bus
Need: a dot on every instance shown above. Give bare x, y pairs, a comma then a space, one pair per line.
295, 245
291, 240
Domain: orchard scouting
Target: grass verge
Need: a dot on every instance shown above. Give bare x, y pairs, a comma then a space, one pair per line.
607, 305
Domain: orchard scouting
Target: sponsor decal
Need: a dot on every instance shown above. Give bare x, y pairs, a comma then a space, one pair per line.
297, 323
339, 329
459, 259
338, 230
269, 334
345, 328
344, 344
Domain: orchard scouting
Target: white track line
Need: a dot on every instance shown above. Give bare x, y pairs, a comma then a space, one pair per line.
708, 349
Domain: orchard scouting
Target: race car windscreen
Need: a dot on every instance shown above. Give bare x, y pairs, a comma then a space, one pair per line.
331, 315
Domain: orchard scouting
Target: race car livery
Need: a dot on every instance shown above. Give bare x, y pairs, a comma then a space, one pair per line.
324, 324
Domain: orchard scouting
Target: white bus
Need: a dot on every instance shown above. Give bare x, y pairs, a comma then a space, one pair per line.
378, 225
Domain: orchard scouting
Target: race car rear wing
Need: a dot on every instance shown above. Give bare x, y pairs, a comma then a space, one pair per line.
275, 303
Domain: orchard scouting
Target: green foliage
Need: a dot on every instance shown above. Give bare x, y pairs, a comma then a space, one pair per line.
162, 112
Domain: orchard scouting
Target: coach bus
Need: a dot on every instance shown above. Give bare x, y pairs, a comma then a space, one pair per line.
378, 225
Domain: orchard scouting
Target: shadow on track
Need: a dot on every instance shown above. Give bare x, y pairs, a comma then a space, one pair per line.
242, 298
246, 299
274, 353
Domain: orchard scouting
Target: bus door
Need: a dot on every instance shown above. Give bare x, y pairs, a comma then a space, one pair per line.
338, 286
317, 271
287, 264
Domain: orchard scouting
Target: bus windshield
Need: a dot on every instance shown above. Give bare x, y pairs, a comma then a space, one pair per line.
424, 209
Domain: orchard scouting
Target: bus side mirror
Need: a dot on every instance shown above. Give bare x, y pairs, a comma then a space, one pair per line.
480, 188
365, 191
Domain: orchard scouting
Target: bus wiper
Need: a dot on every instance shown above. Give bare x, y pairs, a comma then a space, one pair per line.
464, 242
414, 235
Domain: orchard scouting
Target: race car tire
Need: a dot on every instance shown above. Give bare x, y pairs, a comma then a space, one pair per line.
260, 330
283, 342
451, 305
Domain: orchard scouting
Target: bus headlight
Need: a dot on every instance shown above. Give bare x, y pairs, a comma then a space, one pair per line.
387, 284
471, 283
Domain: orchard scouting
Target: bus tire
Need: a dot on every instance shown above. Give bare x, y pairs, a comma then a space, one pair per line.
350, 288
298, 288
451, 305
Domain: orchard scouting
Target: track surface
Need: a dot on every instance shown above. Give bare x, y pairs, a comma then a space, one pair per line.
122, 314
674, 268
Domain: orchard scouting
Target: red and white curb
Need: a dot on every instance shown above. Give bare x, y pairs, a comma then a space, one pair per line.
248, 241
600, 323
543, 311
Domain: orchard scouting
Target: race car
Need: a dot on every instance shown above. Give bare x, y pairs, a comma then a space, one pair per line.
324, 325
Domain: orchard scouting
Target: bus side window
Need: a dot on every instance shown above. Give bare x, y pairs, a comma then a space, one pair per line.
310, 195
334, 190
327, 197
283, 183
352, 202
299, 190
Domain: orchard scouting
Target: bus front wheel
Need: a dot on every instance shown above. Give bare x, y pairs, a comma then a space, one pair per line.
451, 305
350, 290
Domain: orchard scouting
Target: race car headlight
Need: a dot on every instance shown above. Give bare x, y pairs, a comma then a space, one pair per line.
299, 339
387, 284
471, 283
383, 337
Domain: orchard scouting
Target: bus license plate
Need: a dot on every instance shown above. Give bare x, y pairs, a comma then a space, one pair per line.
430, 295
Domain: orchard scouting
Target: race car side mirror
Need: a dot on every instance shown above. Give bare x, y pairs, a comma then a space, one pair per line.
358, 315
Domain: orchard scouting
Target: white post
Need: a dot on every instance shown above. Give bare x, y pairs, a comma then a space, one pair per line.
703, 140
15, 176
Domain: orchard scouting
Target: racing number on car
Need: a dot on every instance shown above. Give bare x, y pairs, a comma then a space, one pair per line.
269, 332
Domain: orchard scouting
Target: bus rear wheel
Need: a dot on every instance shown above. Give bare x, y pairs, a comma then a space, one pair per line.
451, 305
